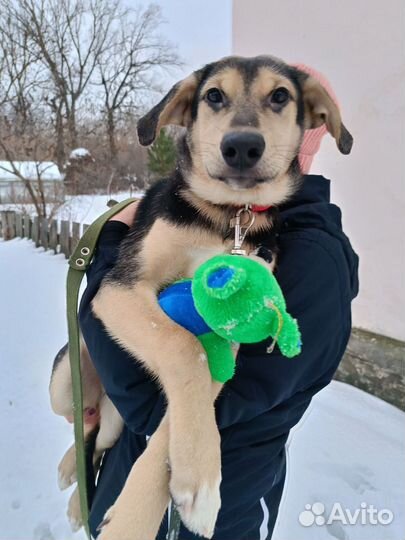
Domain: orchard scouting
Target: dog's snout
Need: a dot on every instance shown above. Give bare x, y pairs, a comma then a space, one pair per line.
242, 150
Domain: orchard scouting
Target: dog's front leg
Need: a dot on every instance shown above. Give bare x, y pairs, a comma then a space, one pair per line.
134, 319
140, 507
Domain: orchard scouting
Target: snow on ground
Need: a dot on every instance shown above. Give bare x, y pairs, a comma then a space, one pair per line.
348, 449
33, 439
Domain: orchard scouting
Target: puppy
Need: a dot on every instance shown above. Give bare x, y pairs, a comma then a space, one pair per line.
244, 120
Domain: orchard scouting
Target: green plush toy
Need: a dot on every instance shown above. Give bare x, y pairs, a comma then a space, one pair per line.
232, 299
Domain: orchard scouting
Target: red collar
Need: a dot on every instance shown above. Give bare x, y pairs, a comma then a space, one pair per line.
257, 208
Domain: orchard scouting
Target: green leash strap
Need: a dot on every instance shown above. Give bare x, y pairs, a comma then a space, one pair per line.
78, 264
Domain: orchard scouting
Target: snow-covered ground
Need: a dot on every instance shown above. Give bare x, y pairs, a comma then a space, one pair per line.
349, 448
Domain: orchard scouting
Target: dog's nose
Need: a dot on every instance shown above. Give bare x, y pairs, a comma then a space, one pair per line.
242, 149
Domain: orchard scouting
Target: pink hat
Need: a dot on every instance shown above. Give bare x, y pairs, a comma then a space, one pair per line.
313, 137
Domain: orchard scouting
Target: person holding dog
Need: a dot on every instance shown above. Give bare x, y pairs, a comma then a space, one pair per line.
317, 271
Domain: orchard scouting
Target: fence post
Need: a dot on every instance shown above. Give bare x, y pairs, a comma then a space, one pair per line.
75, 236
53, 235
19, 225
11, 223
43, 233
35, 231
27, 226
3, 225
64, 238
8, 224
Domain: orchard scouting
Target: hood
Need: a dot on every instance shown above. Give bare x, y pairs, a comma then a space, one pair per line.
310, 207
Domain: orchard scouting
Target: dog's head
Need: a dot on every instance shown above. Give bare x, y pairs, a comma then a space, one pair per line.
245, 119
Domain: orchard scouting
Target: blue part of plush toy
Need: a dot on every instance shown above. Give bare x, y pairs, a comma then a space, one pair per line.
220, 277
178, 304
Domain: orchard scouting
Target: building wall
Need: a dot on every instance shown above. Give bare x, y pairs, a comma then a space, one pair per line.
359, 45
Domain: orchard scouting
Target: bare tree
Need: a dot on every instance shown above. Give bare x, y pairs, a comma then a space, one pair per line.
20, 73
24, 132
76, 73
67, 36
127, 67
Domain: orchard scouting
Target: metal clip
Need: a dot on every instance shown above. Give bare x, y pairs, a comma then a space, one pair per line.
241, 230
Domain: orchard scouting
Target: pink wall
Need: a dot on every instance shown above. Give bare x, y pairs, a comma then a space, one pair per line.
359, 45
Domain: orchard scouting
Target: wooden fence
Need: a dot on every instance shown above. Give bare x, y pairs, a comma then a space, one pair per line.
61, 237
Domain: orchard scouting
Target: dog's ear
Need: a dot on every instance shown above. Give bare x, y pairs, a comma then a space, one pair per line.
175, 108
321, 109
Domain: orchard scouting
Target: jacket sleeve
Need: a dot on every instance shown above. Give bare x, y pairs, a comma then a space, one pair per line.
134, 393
314, 278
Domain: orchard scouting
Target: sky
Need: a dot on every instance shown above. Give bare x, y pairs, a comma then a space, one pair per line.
201, 29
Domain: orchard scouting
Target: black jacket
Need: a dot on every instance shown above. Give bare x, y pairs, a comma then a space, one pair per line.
317, 271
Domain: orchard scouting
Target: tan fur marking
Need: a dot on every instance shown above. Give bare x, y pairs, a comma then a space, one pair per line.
184, 249
266, 81
177, 111
169, 252
229, 80
322, 109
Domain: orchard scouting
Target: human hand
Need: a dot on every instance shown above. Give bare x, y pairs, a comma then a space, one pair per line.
127, 214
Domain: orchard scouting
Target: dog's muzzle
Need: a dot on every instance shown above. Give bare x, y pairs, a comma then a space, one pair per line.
242, 150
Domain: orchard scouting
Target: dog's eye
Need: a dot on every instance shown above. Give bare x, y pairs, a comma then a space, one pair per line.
280, 96
214, 96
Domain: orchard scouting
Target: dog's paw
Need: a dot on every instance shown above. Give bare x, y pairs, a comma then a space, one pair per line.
194, 483
67, 469
65, 481
199, 509
73, 513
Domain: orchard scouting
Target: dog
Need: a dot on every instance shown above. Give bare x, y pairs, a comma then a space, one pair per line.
244, 119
